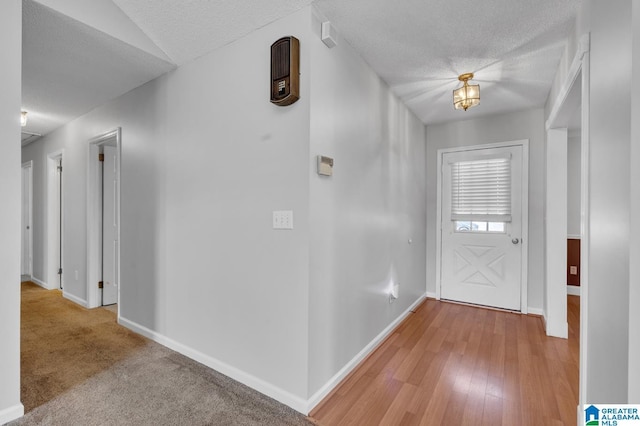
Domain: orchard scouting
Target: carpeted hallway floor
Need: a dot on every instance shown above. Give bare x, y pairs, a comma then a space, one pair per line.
79, 367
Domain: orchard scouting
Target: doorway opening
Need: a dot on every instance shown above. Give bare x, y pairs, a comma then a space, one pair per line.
103, 257
55, 221
568, 124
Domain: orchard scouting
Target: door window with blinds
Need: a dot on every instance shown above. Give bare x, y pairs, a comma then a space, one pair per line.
481, 194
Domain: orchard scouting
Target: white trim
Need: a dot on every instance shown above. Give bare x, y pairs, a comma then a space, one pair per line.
573, 237
317, 397
584, 226
438, 224
524, 292
281, 395
536, 311
12, 413
29, 165
94, 240
431, 295
39, 282
75, 299
524, 143
573, 290
572, 75
52, 265
299, 404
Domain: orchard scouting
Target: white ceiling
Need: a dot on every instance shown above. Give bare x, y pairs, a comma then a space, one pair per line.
420, 47
69, 68
185, 30
76, 58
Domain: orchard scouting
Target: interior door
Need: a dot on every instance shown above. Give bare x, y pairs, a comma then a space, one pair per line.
481, 251
110, 227
26, 220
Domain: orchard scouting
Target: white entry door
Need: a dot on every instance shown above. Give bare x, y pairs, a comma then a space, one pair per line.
110, 227
483, 195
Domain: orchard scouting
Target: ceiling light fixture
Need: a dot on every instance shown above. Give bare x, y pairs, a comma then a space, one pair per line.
468, 95
23, 118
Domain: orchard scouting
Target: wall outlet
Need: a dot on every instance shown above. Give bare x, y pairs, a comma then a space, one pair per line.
573, 270
394, 293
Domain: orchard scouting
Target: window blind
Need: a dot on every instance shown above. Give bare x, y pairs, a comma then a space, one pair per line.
481, 190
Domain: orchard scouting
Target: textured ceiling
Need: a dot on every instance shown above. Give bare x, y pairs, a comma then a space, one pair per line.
418, 47
185, 30
69, 68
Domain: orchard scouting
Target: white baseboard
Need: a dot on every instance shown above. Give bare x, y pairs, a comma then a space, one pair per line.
299, 404
12, 413
40, 283
573, 290
558, 330
544, 321
75, 299
281, 395
431, 295
344, 371
535, 311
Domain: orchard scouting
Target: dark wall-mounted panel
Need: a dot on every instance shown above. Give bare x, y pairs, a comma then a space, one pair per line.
285, 71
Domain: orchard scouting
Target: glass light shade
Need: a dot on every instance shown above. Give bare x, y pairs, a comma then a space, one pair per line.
23, 118
466, 96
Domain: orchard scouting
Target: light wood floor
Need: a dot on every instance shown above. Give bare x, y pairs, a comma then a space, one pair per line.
449, 364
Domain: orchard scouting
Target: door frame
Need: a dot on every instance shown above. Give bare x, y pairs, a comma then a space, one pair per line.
94, 216
54, 241
577, 77
524, 143
28, 165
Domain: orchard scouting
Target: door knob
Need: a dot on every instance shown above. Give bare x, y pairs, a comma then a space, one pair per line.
515, 241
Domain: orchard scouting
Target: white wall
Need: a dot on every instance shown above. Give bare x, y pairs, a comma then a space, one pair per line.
634, 231
609, 170
10, 100
362, 217
612, 345
206, 158
573, 184
555, 221
501, 128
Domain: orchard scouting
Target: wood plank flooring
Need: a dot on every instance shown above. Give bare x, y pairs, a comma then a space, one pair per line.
450, 364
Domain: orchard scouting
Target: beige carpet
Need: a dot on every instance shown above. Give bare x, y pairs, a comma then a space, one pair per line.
81, 368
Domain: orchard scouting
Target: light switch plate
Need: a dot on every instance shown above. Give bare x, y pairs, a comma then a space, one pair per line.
283, 219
